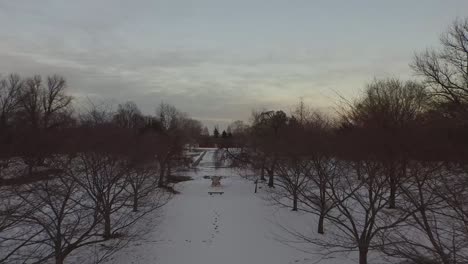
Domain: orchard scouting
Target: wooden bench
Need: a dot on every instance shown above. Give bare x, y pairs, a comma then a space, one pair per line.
211, 193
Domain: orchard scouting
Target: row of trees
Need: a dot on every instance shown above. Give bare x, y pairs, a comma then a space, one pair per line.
389, 174
225, 134
71, 180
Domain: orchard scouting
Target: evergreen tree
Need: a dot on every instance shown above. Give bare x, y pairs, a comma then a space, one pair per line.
216, 132
224, 134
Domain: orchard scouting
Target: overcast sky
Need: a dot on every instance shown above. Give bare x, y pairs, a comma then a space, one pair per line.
215, 59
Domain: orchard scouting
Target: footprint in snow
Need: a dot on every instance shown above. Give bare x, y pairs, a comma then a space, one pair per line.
208, 242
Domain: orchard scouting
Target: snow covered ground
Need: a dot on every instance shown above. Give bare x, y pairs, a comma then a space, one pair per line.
238, 227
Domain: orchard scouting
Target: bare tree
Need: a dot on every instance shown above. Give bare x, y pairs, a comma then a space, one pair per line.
30, 101
176, 130
102, 176
302, 113
169, 116
319, 140
96, 114
89, 198
129, 116
205, 132
266, 129
112, 175
168, 149
13, 235
436, 231
142, 183
192, 130
10, 88
359, 214
446, 70
389, 107
238, 127
142, 169
292, 180
44, 106
55, 102
315, 196
60, 209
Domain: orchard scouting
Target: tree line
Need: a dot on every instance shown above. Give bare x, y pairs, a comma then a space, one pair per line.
388, 174
72, 180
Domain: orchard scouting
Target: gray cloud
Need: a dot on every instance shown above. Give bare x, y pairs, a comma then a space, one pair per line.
215, 60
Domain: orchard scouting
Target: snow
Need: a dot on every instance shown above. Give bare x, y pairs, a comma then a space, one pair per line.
237, 227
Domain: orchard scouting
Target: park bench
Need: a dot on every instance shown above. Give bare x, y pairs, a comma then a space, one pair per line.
211, 193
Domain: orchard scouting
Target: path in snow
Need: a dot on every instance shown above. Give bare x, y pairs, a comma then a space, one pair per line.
234, 228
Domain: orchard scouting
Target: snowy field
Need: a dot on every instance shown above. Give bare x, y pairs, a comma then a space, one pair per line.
238, 227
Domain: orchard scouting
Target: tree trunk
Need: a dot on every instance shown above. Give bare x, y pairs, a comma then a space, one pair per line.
393, 182
135, 201
168, 173
271, 183
30, 169
363, 255
393, 187
320, 224
262, 174
107, 226
59, 259
391, 202
59, 254
358, 171
161, 176
294, 201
